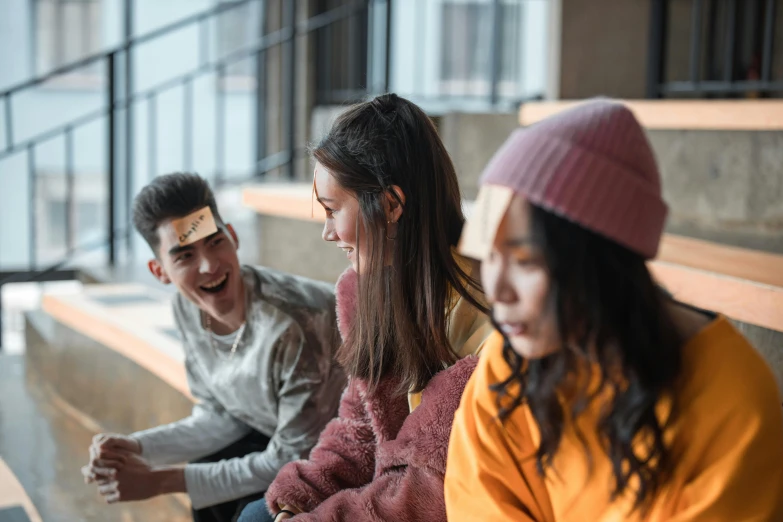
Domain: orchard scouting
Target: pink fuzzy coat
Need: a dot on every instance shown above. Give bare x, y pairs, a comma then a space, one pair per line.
375, 461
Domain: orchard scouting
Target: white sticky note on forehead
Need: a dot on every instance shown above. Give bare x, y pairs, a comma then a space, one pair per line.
196, 225
480, 230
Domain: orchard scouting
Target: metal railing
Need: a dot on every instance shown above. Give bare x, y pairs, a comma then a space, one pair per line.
121, 98
730, 49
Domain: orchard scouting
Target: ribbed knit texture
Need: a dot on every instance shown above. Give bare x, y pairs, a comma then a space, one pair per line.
593, 165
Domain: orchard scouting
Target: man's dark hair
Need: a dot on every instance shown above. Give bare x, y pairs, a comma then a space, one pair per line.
170, 196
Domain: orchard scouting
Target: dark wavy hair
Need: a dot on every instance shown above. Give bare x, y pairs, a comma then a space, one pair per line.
400, 328
609, 312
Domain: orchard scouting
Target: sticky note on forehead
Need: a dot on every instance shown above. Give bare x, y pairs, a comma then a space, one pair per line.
485, 218
196, 225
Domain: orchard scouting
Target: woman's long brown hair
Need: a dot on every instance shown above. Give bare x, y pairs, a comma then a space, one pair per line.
400, 328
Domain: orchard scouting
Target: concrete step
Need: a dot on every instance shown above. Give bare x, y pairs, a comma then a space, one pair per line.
44, 441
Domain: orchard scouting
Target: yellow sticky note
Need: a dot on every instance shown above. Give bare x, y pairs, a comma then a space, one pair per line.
482, 226
196, 225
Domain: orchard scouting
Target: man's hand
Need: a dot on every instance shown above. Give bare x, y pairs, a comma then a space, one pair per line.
138, 480
108, 453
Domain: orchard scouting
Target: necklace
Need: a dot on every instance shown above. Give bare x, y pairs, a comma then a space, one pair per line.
234, 347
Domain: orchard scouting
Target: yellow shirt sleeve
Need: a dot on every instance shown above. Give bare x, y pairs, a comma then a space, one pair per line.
732, 434
486, 476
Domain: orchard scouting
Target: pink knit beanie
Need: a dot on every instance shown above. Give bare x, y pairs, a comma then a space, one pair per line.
591, 164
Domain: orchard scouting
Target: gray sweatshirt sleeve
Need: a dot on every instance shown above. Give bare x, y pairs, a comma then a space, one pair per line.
300, 377
208, 429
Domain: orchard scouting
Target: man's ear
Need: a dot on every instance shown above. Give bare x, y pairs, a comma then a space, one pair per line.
233, 234
156, 269
395, 203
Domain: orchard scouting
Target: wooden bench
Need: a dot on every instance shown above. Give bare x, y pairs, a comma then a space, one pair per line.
14, 498
745, 285
739, 115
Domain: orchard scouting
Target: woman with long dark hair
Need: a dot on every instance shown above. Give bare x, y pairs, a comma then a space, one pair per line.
410, 313
601, 397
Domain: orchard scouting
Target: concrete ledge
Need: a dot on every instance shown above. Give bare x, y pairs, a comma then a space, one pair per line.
742, 115
284, 200
746, 285
112, 353
12, 494
96, 386
140, 327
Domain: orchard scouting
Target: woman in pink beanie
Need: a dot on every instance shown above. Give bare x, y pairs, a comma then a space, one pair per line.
601, 398
411, 316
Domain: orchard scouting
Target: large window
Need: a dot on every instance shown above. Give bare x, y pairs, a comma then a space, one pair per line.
469, 54
239, 28
467, 41
66, 31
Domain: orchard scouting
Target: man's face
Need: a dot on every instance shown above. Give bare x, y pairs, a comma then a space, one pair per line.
206, 271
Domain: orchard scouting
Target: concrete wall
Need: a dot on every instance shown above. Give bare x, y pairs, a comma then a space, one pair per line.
604, 48
296, 246
471, 140
721, 186
724, 186
96, 380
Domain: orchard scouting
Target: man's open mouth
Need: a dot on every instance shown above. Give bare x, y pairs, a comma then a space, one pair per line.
215, 286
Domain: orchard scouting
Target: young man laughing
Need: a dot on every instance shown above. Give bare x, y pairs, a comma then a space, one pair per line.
259, 350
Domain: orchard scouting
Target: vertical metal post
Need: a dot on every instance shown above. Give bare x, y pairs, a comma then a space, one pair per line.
713, 30
59, 41
187, 124
769, 36
111, 97
387, 64
370, 83
352, 66
261, 117
1, 316
420, 29
696, 41
32, 25
203, 40
70, 207
84, 25
152, 136
327, 65
656, 51
497, 50
32, 179
9, 122
220, 125
731, 27
289, 62
129, 128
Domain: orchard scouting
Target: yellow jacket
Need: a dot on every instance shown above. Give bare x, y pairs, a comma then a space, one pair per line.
466, 326
727, 442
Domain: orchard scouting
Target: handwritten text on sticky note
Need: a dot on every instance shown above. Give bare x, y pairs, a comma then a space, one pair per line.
196, 225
